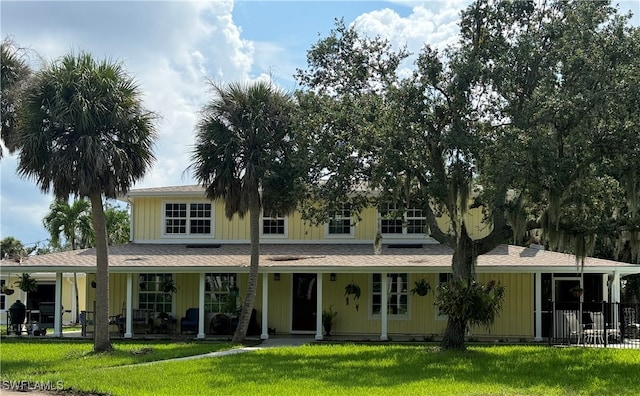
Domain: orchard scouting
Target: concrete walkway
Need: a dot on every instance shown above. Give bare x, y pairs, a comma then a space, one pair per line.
270, 343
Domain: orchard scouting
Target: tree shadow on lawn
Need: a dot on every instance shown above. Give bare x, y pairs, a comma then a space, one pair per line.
18, 359
576, 369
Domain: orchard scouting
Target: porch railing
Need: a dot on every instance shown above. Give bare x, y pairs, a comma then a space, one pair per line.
602, 324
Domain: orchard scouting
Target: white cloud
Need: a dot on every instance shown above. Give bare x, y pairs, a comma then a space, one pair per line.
423, 25
171, 48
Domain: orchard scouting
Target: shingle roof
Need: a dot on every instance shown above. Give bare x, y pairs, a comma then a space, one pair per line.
307, 257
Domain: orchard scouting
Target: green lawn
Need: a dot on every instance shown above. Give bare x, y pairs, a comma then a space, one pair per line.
324, 369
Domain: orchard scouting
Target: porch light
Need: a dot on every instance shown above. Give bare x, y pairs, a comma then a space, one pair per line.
332, 277
276, 276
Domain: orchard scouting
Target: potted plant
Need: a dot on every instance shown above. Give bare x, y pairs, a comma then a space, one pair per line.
327, 320
352, 289
26, 283
421, 288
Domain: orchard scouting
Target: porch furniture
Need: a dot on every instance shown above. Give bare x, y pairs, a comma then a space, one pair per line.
631, 325
141, 320
577, 330
220, 324
87, 320
190, 320
163, 323
601, 328
117, 321
46, 317
16, 315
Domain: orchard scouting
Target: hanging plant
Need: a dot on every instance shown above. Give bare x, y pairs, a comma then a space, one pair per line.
352, 289
421, 288
168, 286
26, 283
5, 290
576, 291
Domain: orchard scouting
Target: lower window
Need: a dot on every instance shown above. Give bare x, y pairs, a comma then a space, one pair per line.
152, 295
219, 289
397, 294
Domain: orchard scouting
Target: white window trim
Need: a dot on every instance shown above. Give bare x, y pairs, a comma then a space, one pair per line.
396, 317
187, 235
351, 233
405, 221
274, 236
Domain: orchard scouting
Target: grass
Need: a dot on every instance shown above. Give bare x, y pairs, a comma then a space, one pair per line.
324, 369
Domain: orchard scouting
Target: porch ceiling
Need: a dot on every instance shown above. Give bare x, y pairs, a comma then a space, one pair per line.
136, 257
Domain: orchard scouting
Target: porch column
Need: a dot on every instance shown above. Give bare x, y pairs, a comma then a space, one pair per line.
57, 317
129, 307
319, 306
615, 296
538, 306
615, 288
201, 315
383, 306
265, 307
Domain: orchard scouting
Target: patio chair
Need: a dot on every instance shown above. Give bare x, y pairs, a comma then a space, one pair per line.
600, 328
631, 325
190, 321
577, 330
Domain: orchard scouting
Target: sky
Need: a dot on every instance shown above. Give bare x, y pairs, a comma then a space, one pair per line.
172, 48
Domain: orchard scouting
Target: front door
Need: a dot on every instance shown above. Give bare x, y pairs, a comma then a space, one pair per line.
304, 293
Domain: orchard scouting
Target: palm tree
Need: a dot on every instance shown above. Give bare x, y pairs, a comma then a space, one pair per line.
117, 220
83, 131
13, 249
244, 147
14, 71
74, 222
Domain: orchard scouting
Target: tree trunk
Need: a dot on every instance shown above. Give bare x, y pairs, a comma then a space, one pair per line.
252, 284
454, 335
101, 341
75, 288
462, 267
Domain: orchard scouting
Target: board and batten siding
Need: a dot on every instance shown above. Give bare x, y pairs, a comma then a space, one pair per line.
148, 224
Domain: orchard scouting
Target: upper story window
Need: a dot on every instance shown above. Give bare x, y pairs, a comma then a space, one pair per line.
184, 219
394, 221
397, 294
340, 222
273, 224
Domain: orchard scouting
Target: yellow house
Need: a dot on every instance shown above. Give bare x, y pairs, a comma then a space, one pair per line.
178, 234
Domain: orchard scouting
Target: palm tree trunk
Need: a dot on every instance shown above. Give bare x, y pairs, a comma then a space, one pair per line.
101, 342
252, 284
